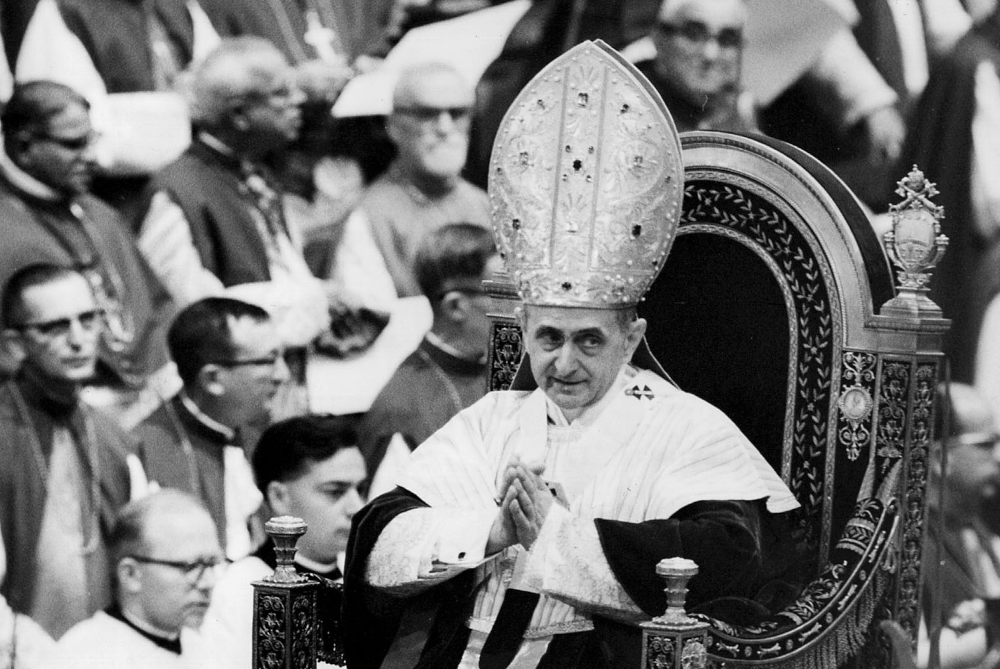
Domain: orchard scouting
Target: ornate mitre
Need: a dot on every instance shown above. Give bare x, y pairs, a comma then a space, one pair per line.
585, 182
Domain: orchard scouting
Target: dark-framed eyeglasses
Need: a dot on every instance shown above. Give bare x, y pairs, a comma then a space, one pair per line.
193, 571
69, 143
423, 114
697, 33
262, 361
60, 327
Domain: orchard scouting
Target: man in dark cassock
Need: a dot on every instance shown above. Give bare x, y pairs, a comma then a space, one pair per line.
111, 51
65, 471
230, 359
48, 215
448, 371
529, 526
953, 139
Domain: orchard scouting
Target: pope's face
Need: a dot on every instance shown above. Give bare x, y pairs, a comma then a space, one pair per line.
576, 354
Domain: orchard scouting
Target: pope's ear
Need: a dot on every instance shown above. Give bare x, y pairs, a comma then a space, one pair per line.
634, 335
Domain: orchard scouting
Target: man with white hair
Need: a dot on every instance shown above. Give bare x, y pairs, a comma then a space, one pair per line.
213, 221
529, 526
423, 188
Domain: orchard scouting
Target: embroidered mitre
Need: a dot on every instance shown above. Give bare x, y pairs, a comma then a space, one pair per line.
585, 183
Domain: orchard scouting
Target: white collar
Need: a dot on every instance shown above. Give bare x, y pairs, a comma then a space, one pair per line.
25, 181
227, 432
216, 143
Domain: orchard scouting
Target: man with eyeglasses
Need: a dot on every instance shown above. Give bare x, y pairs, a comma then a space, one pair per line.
699, 54
47, 214
422, 189
65, 469
447, 372
165, 557
213, 221
230, 359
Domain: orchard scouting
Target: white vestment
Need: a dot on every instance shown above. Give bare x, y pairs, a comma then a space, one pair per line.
103, 642
643, 452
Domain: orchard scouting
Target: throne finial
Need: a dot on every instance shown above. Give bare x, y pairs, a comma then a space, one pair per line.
915, 244
285, 532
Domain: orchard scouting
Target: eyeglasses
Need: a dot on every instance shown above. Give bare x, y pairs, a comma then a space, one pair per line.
423, 114
60, 327
263, 361
70, 143
193, 571
697, 33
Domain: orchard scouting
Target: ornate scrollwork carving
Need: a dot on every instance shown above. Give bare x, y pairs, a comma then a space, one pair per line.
505, 354
915, 243
925, 381
894, 390
271, 626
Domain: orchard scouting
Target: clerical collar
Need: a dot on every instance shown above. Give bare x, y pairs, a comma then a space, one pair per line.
27, 183
216, 144
166, 641
227, 433
54, 401
592, 413
445, 347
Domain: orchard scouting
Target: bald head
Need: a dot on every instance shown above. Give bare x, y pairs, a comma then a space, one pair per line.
417, 82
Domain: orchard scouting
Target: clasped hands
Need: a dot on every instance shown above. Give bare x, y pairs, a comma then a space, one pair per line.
524, 501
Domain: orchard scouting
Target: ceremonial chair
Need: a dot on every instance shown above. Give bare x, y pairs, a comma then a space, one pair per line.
779, 305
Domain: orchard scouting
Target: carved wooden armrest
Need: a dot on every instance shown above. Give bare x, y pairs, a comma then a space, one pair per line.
830, 621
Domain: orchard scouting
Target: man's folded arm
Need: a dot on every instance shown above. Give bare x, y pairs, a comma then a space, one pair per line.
608, 567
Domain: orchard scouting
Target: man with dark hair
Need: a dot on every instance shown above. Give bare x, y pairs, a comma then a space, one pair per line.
230, 359
47, 215
447, 372
65, 471
165, 555
308, 467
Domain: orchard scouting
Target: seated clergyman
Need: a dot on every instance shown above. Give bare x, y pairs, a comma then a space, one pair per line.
532, 522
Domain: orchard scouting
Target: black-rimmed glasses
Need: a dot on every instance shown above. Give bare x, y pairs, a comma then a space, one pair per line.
263, 361
698, 33
193, 571
70, 143
431, 114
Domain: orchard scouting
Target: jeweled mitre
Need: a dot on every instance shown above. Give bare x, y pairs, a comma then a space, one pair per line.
585, 183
